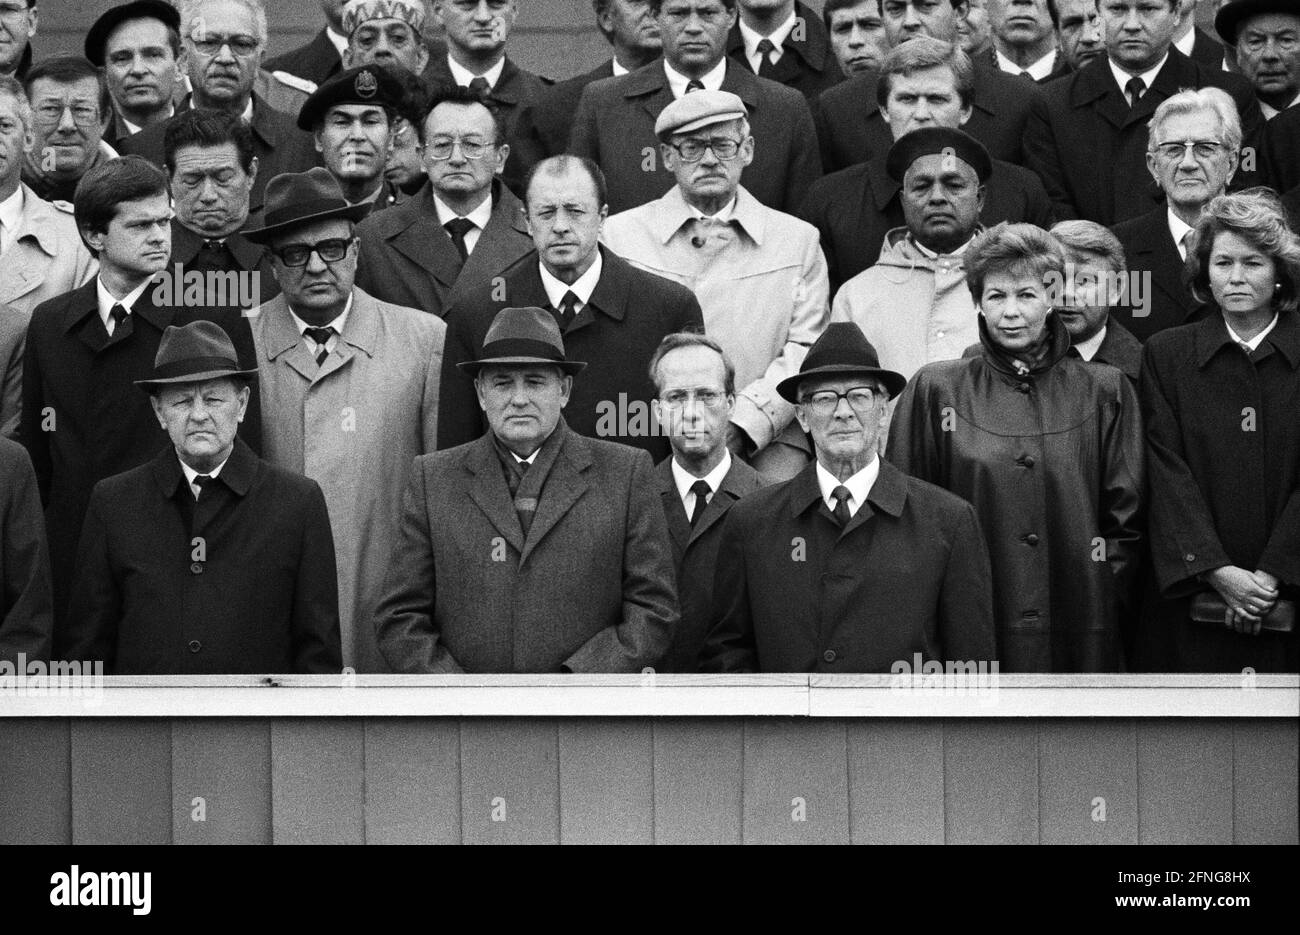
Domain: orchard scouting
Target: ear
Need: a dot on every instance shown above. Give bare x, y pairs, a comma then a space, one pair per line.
668, 155
478, 391
802, 416
349, 60
421, 56
316, 135
1151, 167
252, 171
156, 404
503, 153
747, 151
980, 194
966, 110
566, 387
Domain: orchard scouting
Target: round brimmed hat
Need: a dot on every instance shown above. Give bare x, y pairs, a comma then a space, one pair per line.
365, 84
193, 353
931, 141
842, 350
1229, 19
297, 198
110, 19
698, 109
523, 336
356, 12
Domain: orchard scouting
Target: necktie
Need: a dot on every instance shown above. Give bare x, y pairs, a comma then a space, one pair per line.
524, 512
322, 337
116, 315
841, 511
1133, 91
1185, 245
480, 86
1025, 74
765, 66
701, 490
1245, 347
458, 228
694, 85
1074, 352
567, 311
201, 481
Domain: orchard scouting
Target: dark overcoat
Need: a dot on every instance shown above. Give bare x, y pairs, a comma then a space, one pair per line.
26, 617
316, 61
1149, 248
545, 124
807, 62
242, 581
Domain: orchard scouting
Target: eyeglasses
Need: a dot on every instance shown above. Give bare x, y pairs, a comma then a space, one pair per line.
723, 147
825, 402
677, 400
330, 251
210, 44
470, 149
1201, 149
83, 115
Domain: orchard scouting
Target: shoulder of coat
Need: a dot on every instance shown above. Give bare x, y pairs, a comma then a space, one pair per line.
293, 81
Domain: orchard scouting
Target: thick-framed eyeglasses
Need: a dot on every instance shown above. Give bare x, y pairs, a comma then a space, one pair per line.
724, 147
330, 250
51, 112
470, 149
825, 402
677, 400
211, 43
1201, 149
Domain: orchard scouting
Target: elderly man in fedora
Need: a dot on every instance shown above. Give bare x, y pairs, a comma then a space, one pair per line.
531, 548
205, 559
349, 386
851, 566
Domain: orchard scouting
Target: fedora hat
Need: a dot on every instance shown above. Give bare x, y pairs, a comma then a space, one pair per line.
297, 198
842, 350
523, 336
1227, 22
194, 353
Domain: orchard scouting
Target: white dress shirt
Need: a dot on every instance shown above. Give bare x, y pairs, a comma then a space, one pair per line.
1271, 112
479, 217
583, 287
337, 324
677, 82
859, 485
1254, 342
1037, 70
1088, 349
106, 301
463, 76
619, 70
190, 474
1122, 77
1178, 230
751, 40
684, 479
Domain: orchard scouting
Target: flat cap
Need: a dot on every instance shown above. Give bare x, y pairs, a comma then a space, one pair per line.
930, 141
110, 19
698, 109
1230, 17
365, 84
356, 12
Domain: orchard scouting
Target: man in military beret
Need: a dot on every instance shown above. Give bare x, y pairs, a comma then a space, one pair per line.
758, 273
351, 118
136, 45
913, 304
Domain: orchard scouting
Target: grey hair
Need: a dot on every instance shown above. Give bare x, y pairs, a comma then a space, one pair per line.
1211, 100
191, 16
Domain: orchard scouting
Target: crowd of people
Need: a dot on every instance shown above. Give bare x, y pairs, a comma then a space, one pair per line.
954, 330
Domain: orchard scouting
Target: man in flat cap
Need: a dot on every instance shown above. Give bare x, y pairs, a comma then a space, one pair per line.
207, 559
758, 273
531, 548
136, 45
352, 117
852, 566
913, 304
349, 383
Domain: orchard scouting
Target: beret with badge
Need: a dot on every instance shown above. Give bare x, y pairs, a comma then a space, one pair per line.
365, 84
937, 141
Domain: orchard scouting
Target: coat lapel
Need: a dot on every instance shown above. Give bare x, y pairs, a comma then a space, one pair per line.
282, 338
507, 221
678, 525
1094, 86
1157, 245
489, 492
565, 485
737, 482
650, 85
425, 243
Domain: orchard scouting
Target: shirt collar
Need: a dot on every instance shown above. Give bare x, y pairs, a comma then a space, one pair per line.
1178, 229
684, 478
926, 251
582, 288
1122, 77
479, 217
247, 115
859, 485
1271, 112
1185, 44
712, 81
190, 473
171, 112
1037, 70
673, 213
337, 324
1088, 349
106, 300
619, 70
777, 37
1254, 342
11, 209
339, 41
463, 76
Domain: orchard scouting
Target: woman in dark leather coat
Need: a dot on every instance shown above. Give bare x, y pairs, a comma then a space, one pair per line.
1223, 437
1047, 448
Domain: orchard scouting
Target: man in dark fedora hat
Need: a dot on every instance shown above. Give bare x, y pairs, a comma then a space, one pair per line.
532, 548
206, 559
349, 383
851, 566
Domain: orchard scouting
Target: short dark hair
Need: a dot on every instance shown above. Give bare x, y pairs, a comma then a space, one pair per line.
558, 165
680, 339
110, 184
927, 52
657, 5
66, 68
1257, 216
205, 128
834, 6
464, 97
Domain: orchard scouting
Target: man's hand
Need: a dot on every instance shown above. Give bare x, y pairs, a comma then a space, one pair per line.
1249, 598
738, 441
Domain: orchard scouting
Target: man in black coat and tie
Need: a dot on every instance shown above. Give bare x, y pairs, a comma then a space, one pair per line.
849, 125
1095, 273
1024, 40
611, 313
82, 417
207, 559
701, 481
1087, 136
785, 42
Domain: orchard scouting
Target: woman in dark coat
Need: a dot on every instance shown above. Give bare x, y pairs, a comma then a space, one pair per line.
1223, 441
1047, 448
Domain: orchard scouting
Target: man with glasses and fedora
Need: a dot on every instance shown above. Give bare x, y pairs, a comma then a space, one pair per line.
852, 566
206, 559
349, 386
531, 548
759, 274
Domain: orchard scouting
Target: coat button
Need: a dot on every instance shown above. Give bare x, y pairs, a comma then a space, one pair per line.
1027, 461
1031, 539
829, 655
195, 646
1023, 387
1189, 557
196, 568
